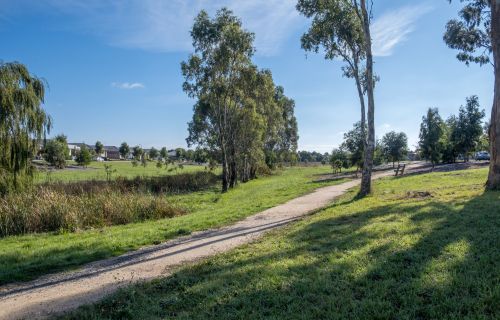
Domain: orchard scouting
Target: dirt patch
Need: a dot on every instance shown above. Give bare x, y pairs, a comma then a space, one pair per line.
417, 195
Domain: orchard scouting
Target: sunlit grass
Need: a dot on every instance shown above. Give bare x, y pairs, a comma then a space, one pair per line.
420, 247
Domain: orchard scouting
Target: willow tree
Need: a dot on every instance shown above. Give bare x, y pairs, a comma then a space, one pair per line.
477, 37
23, 123
342, 29
223, 49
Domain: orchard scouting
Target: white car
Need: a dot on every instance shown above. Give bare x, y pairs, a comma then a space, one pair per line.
482, 155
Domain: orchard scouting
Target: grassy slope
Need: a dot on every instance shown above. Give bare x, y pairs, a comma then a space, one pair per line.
389, 256
26, 257
95, 171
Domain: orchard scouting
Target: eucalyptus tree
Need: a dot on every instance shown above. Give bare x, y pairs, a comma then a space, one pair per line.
99, 148
338, 31
354, 144
288, 132
124, 150
468, 129
394, 146
23, 123
258, 119
153, 153
222, 50
342, 29
431, 131
476, 34
56, 151
137, 153
164, 153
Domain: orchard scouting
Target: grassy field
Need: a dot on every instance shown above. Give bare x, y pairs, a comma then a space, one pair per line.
95, 171
422, 247
26, 257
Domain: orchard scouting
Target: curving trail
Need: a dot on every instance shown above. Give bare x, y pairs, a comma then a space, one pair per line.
57, 293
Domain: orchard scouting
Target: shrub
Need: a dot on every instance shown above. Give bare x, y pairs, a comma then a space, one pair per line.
179, 183
46, 210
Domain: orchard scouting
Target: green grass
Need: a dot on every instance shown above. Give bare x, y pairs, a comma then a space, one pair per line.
26, 257
95, 171
397, 254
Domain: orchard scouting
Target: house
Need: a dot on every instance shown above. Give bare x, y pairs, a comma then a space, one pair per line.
111, 153
108, 152
172, 153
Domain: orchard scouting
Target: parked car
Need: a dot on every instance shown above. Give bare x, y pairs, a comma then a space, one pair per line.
482, 155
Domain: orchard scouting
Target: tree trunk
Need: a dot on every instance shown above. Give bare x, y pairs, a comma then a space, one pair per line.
366, 178
359, 86
233, 175
225, 170
494, 174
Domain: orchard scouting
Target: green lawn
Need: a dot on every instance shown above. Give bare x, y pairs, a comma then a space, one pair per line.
422, 247
95, 171
26, 257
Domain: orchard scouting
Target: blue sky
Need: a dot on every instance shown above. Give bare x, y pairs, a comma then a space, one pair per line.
113, 67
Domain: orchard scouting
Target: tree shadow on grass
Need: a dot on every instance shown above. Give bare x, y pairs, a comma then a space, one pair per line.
418, 260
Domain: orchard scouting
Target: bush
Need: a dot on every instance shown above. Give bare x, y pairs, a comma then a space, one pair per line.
46, 210
178, 183
89, 204
84, 157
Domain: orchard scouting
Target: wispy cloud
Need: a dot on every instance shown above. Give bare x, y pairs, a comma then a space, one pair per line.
127, 85
393, 27
159, 25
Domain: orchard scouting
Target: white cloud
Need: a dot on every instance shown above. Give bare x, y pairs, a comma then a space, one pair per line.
159, 25
393, 27
127, 85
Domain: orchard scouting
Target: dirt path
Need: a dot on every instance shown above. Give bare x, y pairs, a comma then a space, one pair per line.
61, 292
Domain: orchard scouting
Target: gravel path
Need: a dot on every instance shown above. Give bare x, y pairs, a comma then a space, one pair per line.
62, 292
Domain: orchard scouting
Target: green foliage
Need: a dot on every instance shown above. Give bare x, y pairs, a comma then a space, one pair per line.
84, 157
56, 151
378, 156
180, 153
354, 142
471, 33
137, 153
164, 153
445, 141
159, 164
431, 130
336, 29
109, 171
395, 146
23, 123
99, 148
153, 153
124, 150
468, 129
339, 159
241, 119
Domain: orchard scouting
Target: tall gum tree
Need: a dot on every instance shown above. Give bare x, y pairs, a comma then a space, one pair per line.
337, 30
222, 50
477, 35
342, 29
366, 179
